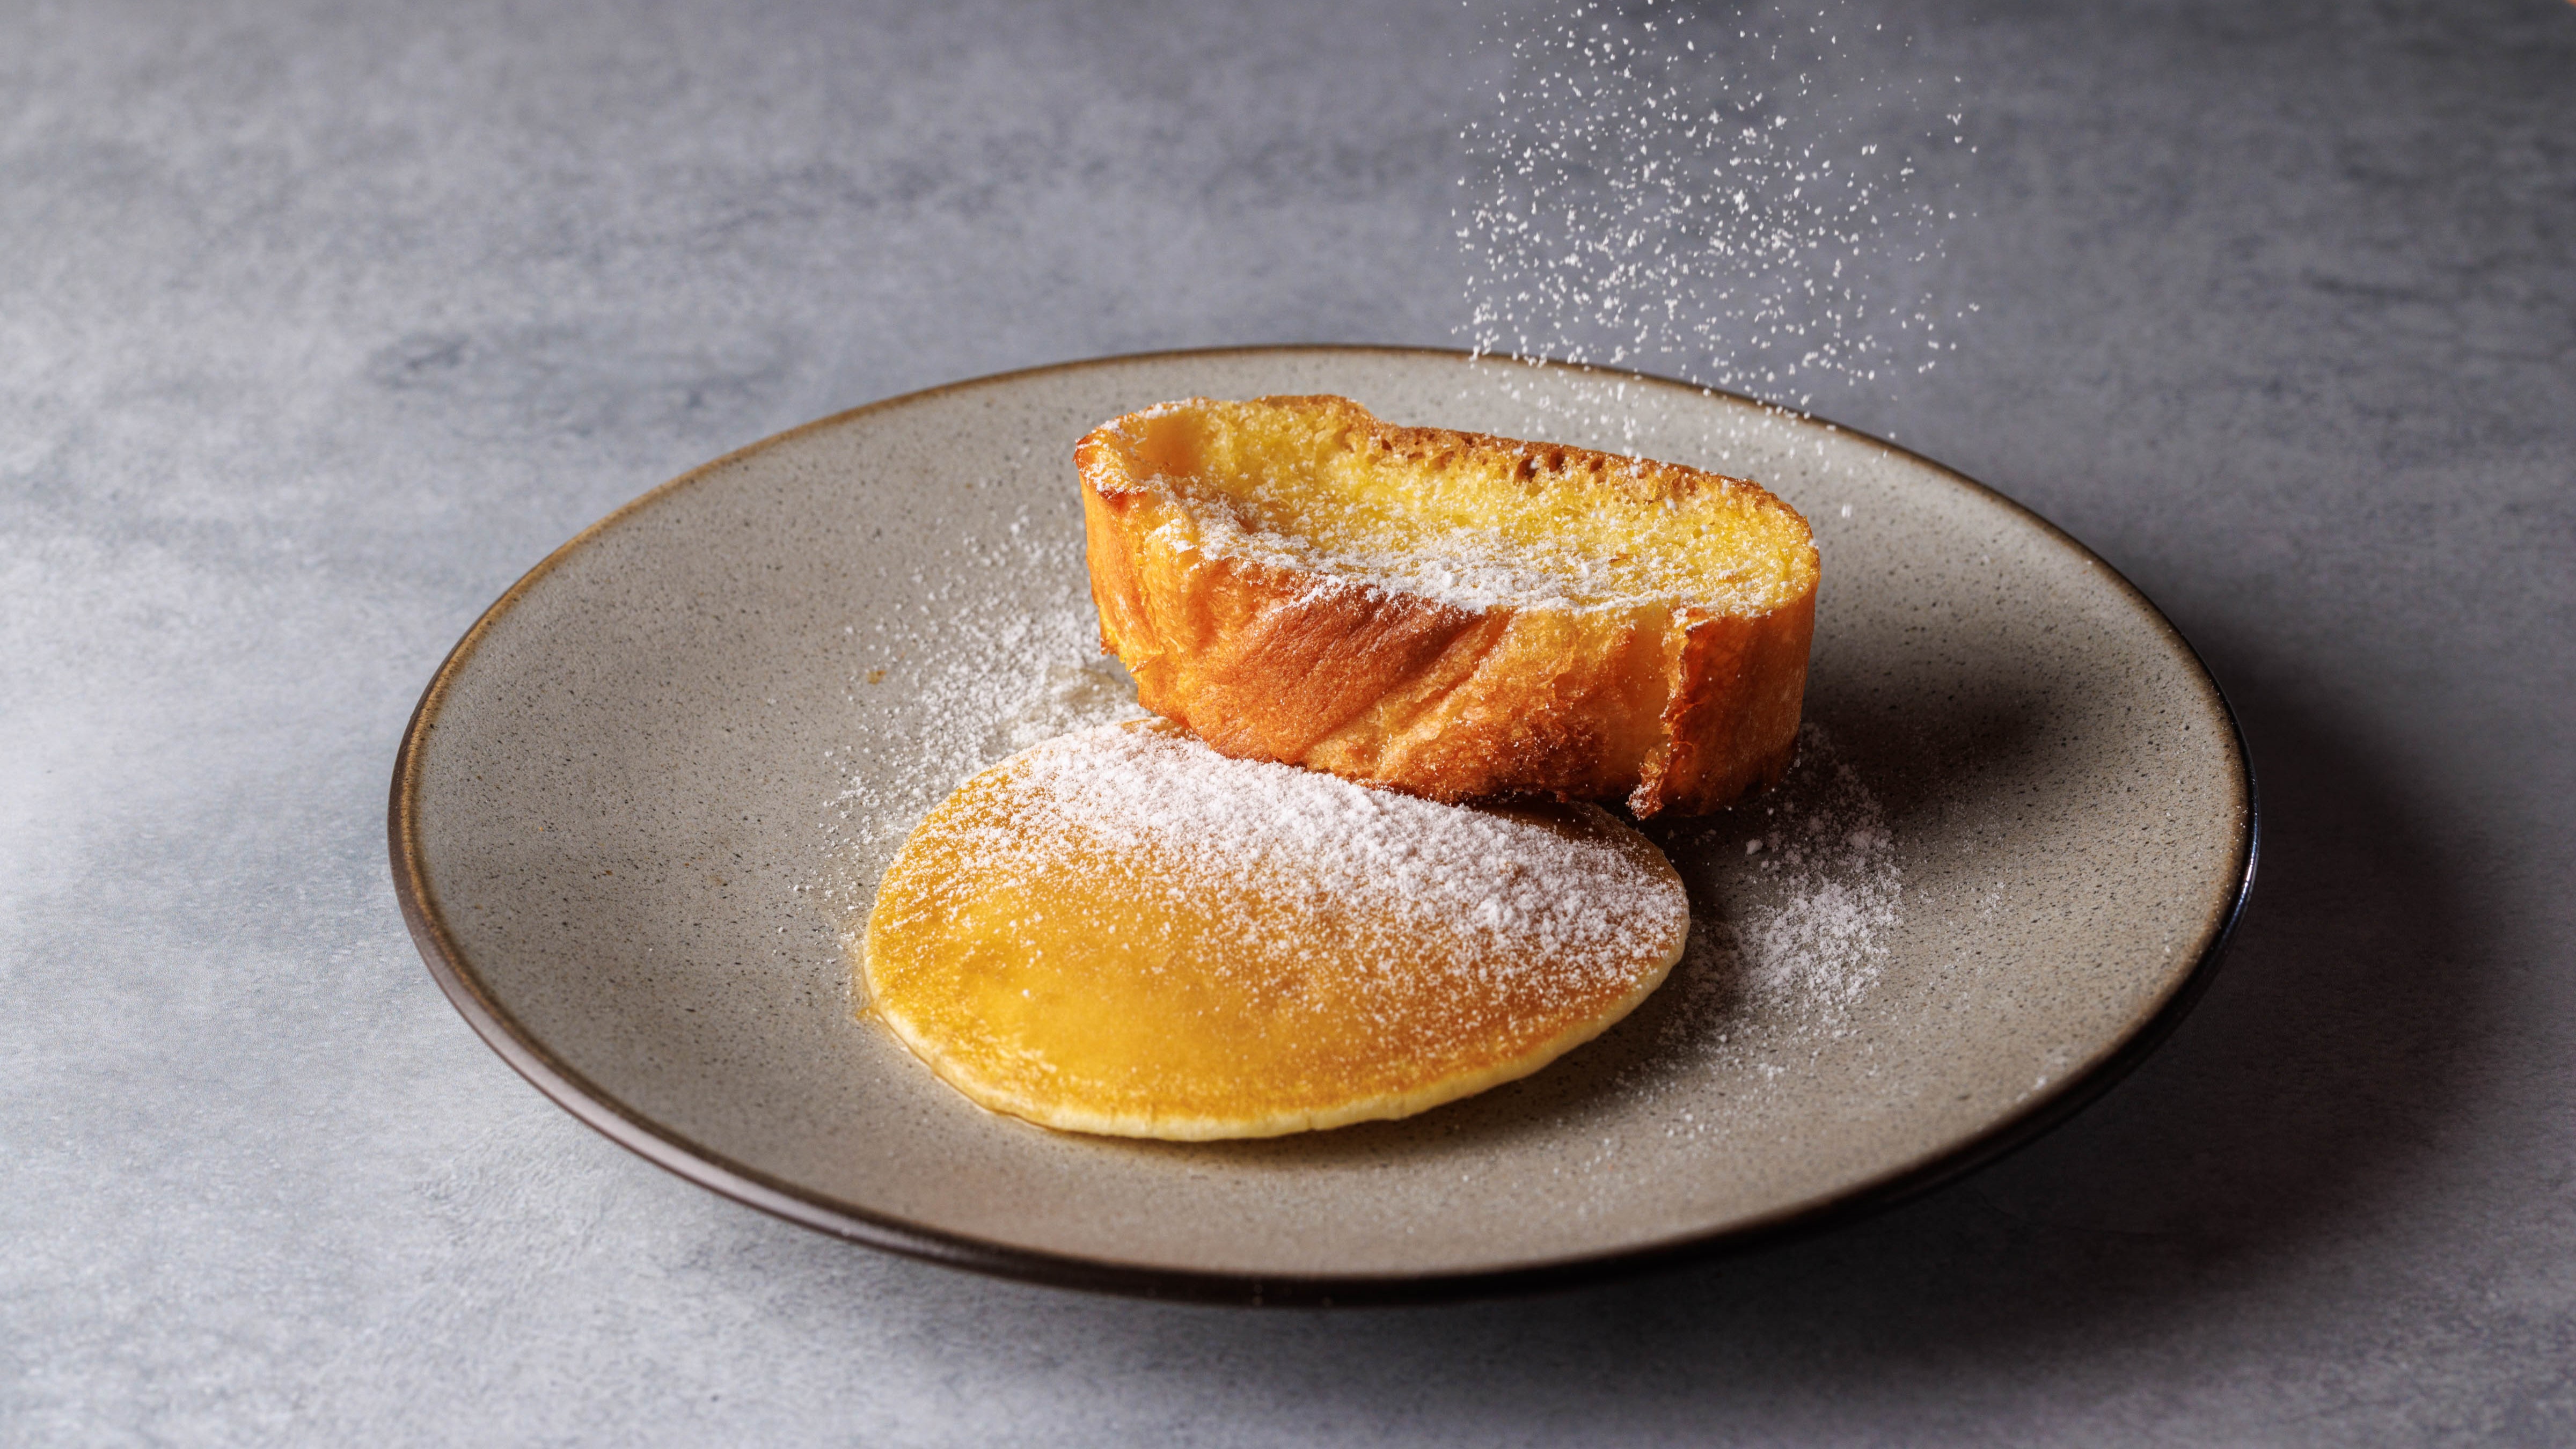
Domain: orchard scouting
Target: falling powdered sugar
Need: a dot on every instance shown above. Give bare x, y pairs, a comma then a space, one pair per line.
1752, 197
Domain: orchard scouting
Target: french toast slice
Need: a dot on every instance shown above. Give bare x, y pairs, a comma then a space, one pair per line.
1449, 614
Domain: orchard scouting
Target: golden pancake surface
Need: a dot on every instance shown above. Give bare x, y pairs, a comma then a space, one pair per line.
1121, 931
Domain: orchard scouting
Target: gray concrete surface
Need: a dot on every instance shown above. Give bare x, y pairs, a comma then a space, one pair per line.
318, 324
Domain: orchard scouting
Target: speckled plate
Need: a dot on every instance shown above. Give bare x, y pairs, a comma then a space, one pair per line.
644, 799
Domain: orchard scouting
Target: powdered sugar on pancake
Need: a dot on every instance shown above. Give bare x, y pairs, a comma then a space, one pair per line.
1566, 888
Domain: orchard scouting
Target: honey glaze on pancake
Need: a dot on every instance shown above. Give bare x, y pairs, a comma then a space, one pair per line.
1121, 931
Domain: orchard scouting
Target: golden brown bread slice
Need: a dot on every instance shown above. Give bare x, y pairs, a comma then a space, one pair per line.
1449, 614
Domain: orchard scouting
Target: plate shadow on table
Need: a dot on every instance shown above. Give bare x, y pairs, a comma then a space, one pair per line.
2307, 1092
2311, 1081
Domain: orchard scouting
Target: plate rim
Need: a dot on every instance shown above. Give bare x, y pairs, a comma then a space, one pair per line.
565, 1085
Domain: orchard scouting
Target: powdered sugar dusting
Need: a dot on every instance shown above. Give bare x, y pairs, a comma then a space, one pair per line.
1552, 890
974, 673
1807, 893
1601, 532
1466, 568
1817, 934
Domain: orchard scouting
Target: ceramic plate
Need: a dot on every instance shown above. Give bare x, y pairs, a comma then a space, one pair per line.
646, 797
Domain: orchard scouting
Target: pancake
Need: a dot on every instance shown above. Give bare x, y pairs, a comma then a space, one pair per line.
1122, 931
1451, 614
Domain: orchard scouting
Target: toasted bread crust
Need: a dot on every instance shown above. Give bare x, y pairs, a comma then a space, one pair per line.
1671, 704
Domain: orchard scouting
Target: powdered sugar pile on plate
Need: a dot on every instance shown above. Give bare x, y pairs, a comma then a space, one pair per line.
1797, 896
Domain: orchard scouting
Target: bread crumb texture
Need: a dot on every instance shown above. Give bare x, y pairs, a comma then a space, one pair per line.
1449, 614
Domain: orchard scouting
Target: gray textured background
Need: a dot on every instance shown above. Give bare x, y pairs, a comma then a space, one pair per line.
320, 324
